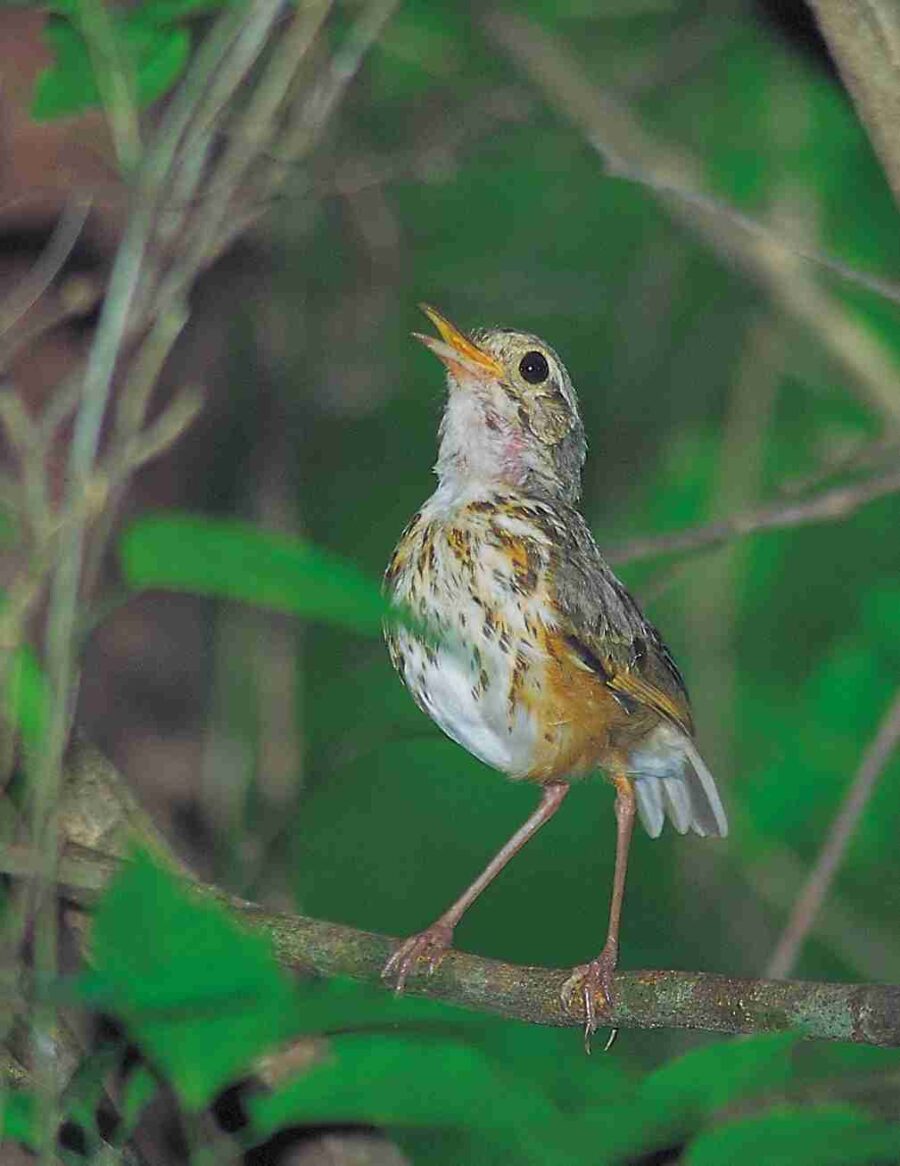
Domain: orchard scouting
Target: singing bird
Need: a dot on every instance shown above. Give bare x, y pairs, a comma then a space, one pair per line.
527, 650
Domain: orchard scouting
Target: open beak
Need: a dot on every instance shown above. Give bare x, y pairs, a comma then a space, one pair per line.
456, 350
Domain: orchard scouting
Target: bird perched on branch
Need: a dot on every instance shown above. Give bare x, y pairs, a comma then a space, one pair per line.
529, 652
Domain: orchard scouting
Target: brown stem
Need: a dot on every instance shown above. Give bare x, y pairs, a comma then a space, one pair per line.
818, 884
829, 506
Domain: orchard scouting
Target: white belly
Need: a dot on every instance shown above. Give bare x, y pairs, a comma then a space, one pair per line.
448, 684
464, 680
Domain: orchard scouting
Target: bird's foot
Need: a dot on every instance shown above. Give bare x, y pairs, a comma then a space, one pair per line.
428, 948
588, 985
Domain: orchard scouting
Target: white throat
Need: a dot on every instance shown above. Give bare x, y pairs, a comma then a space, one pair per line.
474, 454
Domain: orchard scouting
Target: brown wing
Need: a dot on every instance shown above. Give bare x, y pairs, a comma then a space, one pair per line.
609, 634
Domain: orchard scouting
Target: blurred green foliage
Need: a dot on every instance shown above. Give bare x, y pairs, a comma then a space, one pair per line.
151, 49
27, 697
235, 561
450, 179
205, 998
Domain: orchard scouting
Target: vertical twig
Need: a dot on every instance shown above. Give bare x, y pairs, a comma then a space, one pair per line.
235, 26
818, 884
115, 79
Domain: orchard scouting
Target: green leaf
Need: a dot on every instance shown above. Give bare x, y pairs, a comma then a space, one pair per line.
679, 1097
794, 1136
168, 11
139, 1090
720, 1074
8, 524
68, 86
160, 56
19, 1117
419, 1082
156, 54
28, 698
233, 560
202, 995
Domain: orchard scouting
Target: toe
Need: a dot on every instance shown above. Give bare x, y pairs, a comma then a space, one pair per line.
428, 947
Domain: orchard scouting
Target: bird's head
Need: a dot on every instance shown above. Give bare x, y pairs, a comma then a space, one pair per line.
511, 417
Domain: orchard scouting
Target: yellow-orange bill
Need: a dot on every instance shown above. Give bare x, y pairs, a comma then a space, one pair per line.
457, 346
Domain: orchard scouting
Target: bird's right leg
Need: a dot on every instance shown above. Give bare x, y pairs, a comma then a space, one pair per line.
430, 945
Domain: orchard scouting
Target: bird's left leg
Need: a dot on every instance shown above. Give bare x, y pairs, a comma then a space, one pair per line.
430, 945
596, 978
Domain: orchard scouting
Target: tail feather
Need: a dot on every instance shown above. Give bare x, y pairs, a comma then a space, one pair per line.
677, 797
708, 813
671, 780
650, 805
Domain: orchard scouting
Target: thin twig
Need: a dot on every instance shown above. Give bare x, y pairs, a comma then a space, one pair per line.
886, 289
59, 247
115, 79
829, 506
627, 149
76, 298
822, 875
105, 355
142, 314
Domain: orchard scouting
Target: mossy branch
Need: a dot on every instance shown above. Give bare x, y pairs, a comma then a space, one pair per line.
100, 817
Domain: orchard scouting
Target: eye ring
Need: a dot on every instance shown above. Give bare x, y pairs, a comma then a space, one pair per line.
533, 367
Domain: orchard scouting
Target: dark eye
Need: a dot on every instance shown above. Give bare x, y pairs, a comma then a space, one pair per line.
533, 368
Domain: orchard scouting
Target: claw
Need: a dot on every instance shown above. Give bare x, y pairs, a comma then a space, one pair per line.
429, 946
589, 981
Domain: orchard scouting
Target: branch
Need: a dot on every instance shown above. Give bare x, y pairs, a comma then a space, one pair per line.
861, 1013
865, 1014
818, 884
864, 39
829, 506
99, 817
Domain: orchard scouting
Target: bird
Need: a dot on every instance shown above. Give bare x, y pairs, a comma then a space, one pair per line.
519, 640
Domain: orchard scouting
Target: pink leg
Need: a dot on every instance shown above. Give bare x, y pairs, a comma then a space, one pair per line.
430, 945
596, 978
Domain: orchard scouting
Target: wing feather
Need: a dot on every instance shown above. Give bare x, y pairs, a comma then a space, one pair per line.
609, 634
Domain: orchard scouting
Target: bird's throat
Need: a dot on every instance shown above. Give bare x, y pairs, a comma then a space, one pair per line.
478, 446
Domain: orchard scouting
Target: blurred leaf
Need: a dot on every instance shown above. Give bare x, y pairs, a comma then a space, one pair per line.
19, 1117
794, 1136
232, 560
720, 1074
423, 45
160, 58
415, 1081
138, 1091
670, 1104
156, 54
168, 11
68, 85
202, 995
28, 698
148, 11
